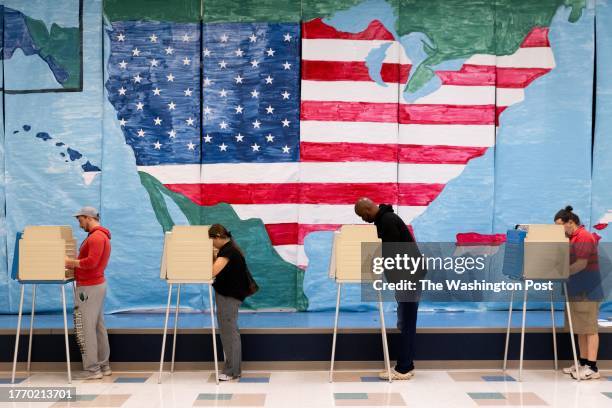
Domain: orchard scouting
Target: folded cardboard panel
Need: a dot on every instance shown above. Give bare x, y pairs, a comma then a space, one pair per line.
188, 254
43, 250
347, 256
546, 252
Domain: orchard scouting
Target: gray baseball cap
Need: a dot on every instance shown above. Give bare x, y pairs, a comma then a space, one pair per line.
88, 212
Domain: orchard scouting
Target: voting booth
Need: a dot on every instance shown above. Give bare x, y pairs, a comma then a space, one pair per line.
349, 256
42, 252
187, 258
39, 259
537, 252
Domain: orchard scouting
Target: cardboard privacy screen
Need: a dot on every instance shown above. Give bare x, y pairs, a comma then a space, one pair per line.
540, 251
42, 253
347, 258
187, 255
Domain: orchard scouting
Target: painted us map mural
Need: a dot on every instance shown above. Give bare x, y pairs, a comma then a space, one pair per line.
273, 117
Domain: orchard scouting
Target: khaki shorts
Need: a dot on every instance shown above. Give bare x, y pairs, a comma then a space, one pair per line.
584, 317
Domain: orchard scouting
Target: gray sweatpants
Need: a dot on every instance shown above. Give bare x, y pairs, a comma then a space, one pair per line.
90, 300
227, 316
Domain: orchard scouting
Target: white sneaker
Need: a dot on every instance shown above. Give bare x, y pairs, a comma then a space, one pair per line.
88, 375
570, 370
106, 371
383, 375
225, 377
586, 373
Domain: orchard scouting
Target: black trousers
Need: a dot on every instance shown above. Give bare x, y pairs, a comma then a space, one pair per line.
406, 324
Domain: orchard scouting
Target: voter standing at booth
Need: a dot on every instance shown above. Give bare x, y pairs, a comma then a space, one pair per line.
584, 286
233, 283
90, 293
391, 228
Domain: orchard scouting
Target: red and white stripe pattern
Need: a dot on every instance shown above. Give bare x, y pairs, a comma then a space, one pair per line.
360, 138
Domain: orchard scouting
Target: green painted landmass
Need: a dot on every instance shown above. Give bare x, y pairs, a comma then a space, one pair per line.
61, 45
461, 28
246, 11
281, 283
183, 11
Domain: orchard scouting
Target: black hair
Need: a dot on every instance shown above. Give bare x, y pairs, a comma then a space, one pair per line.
567, 214
219, 231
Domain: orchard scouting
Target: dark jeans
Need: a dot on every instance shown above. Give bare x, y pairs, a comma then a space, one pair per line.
406, 324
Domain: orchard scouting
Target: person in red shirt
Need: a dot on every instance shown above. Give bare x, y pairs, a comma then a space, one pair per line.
90, 293
583, 288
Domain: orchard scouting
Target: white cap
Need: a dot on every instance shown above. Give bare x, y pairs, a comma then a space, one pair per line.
88, 212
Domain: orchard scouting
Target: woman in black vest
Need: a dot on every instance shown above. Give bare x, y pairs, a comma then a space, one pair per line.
231, 287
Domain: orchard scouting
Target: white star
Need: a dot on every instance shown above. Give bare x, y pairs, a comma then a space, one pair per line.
206, 52
286, 149
207, 81
255, 63
191, 146
257, 124
189, 122
253, 38
123, 64
186, 61
157, 92
223, 147
185, 37
222, 64
157, 145
122, 91
171, 106
239, 137
223, 93
223, 125
269, 79
269, 109
122, 122
287, 65
254, 93
285, 95
137, 78
121, 37
287, 37
154, 62
172, 134
139, 106
238, 79
207, 138
141, 133
255, 147
153, 38
169, 50
157, 121
286, 122
224, 38
170, 77
207, 110
239, 109
239, 52
188, 92
135, 52
270, 52
269, 138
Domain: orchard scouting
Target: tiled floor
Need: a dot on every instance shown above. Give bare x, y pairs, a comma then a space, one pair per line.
293, 389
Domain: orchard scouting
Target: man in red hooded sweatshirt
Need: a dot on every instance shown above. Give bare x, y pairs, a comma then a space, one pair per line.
90, 293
